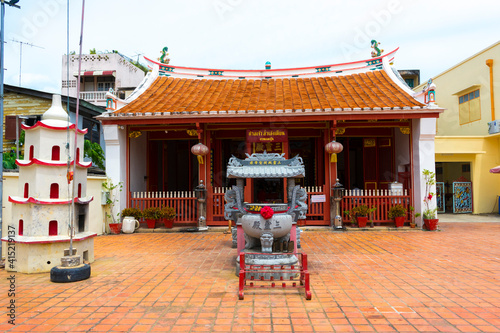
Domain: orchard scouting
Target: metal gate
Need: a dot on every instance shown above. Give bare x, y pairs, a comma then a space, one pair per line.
440, 199
462, 197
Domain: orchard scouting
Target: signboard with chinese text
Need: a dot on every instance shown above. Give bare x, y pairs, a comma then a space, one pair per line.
269, 140
267, 135
269, 147
318, 198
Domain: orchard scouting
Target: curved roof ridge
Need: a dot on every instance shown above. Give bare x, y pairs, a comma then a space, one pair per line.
357, 66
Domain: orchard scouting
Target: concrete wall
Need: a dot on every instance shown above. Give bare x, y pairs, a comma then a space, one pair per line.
483, 153
401, 149
138, 150
423, 134
116, 161
472, 73
96, 210
470, 142
127, 75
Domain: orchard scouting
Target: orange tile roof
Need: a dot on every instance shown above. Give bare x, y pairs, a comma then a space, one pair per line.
373, 90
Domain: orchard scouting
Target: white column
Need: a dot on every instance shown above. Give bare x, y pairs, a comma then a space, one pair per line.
424, 132
116, 164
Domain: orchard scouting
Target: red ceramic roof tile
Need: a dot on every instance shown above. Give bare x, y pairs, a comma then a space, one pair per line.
373, 89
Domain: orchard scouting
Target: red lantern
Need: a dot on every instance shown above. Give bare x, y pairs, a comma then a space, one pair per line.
333, 148
199, 150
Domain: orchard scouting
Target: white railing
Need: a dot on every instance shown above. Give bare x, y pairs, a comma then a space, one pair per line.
95, 96
310, 189
379, 192
184, 203
162, 194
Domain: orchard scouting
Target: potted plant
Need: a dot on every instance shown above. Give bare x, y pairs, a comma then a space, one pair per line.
151, 215
132, 212
360, 213
110, 198
413, 216
351, 215
168, 215
398, 213
430, 214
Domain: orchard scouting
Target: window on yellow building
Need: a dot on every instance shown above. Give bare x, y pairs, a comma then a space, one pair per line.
469, 107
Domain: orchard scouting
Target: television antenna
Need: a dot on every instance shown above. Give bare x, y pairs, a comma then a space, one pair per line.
138, 55
21, 54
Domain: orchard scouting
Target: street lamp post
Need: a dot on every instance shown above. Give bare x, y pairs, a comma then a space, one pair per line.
11, 3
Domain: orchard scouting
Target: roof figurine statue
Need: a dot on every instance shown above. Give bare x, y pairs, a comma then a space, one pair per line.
376, 51
163, 59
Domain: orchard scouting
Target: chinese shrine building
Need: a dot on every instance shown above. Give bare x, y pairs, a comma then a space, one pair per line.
386, 129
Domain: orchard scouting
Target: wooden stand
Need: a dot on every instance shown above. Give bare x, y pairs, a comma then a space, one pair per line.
269, 273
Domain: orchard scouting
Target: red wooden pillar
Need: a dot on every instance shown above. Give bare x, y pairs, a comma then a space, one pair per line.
208, 177
285, 150
248, 190
330, 170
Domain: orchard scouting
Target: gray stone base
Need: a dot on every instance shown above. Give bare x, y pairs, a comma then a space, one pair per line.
268, 259
235, 242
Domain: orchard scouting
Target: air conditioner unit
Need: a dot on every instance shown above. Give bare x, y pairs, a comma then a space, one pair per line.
494, 127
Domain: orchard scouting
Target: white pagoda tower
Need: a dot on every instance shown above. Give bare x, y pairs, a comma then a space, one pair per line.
41, 211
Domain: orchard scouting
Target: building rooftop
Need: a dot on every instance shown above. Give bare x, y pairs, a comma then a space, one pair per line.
365, 85
370, 90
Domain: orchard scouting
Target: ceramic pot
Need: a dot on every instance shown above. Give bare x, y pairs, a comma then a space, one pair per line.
151, 223
431, 224
115, 228
129, 224
362, 221
169, 223
400, 221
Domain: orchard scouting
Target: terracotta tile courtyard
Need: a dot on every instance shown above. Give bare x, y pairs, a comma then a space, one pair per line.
446, 281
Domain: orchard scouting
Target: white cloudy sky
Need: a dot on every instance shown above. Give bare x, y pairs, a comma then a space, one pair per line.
433, 35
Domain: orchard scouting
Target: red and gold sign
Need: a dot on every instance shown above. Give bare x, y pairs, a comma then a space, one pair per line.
269, 147
269, 140
267, 135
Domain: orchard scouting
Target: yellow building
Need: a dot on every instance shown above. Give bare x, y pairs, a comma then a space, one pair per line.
468, 133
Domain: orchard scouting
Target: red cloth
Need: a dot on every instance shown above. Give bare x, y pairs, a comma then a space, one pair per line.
267, 212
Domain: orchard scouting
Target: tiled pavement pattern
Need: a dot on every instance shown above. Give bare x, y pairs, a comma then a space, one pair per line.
446, 281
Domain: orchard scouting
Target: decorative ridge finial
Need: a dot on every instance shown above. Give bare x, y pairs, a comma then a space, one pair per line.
376, 51
56, 111
163, 59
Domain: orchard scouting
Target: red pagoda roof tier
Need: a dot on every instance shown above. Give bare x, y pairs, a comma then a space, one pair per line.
20, 200
57, 128
52, 163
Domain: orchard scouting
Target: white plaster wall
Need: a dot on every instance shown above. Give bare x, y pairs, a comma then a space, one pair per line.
36, 219
138, 172
39, 178
44, 139
127, 75
116, 145
96, 207
424, 132
401, 149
